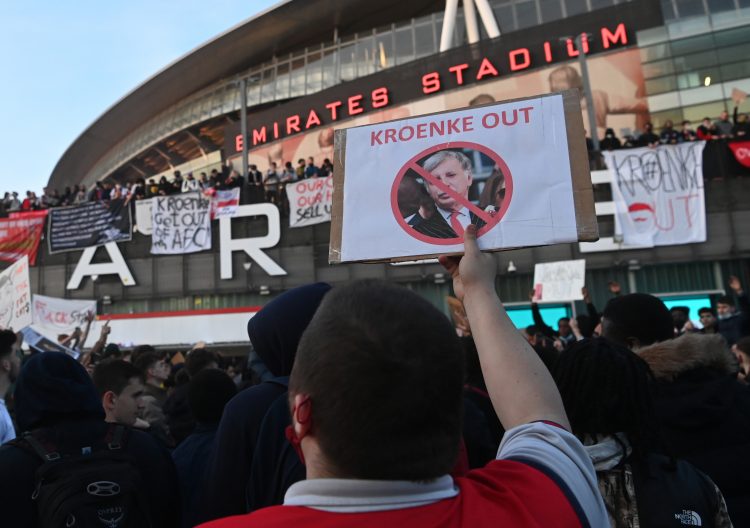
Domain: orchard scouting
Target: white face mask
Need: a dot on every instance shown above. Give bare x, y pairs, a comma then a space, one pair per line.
724, 317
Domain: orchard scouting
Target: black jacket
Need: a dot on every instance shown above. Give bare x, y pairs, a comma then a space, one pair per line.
56, 398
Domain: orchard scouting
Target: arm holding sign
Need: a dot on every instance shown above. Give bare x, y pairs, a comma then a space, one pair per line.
538, 320
520, 386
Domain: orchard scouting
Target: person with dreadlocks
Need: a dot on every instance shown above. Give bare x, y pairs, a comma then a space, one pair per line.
606, 393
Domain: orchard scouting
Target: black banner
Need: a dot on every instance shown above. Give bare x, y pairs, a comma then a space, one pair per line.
87, 225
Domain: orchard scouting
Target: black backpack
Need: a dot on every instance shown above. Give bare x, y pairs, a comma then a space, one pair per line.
94, 488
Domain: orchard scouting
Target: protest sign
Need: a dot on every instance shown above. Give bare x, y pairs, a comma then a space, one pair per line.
39, 343
88, 225
143, 214
51, 314
225, 203
407, 189
19, 236
741, 151
559, 281
658, 194
15, 296
181, 224
310, 201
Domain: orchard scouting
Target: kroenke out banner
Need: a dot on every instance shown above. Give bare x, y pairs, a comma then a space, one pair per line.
181, 224
88, 225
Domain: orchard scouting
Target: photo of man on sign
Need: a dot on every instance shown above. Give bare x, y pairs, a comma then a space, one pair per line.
437, 196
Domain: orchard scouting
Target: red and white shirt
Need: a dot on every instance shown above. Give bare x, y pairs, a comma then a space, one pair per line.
542, 477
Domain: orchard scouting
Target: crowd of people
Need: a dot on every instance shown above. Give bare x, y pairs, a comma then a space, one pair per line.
360, 405
259, 187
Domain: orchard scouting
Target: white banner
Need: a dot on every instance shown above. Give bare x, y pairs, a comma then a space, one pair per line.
181, 224
225, 203
412, 186
559, 281
15, 296
658, 194
310, 201
55, 316
143, 214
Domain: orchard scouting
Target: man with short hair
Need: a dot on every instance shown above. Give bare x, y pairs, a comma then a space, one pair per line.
636, 320
723, 125
311, 171
453, 170
155, 371
376, 407
733, 324
120, 386
681, 319
10, 364
708, 320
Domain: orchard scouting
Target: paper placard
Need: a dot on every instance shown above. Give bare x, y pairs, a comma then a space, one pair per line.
181, 224
310, 201
559, 281
517, 169
15, 296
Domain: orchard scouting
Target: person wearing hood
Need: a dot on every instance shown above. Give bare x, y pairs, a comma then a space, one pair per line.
274, 334
56, 399
608, 399
610, 141
704, 412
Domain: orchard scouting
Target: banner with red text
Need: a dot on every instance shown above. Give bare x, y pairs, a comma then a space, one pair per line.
20, 236
310, 201
658, 194
15, 296
56, 316
741, 151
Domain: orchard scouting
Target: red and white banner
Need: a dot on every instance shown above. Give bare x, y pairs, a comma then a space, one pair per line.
20, 235
741, 150
225, 203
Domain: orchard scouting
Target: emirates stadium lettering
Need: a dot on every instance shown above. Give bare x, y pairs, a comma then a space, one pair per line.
478, 70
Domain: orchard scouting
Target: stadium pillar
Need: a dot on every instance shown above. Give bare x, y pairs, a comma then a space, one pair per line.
243, 125
449, 24
488, 18
591, 111
470, 15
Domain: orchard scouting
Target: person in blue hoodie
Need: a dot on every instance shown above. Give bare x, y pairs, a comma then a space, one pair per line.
56, 400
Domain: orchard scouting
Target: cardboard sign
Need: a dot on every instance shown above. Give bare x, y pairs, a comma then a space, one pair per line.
407, 189
310, 201
181, 224
15, 296
55, 316
143, 214
658, 194
559, 281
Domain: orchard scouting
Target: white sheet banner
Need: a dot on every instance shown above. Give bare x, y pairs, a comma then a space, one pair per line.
143, 214
182, 224
559, 281
225, 203
658, 194
53, 315
310, 201
15, 296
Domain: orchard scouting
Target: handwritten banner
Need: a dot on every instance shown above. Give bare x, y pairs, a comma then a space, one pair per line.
60, 315
559, 281
88, 225
20, 236
310, 201
181, 224
658, 194
15, 296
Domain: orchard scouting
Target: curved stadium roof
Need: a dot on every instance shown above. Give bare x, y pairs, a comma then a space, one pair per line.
286, 27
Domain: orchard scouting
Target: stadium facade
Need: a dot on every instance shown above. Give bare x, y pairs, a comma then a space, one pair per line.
310, 66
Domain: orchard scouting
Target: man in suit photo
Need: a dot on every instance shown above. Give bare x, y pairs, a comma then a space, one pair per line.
450, 216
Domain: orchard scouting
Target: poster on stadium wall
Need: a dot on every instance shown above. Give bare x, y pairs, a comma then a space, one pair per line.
310, 201
20, 235
408, 189
560, 281
87, 225
658, 194
225, 203
181, 224
15, 296
54, 316
143, 214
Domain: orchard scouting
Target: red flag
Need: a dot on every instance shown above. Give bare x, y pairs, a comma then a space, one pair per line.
20, 236
741, 151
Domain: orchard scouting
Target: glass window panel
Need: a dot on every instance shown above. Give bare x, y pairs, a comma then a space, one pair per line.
384, 51
366, 56
298, 78
505, 17
328, 71
661, 85
658, 68
660, 51
688, 8
733, 53
696, 113
738, 70
698, 78
576, 7
744, 3
717, 6
404, 45
282, 80
690, 45
598, 4
253, 94
526, 15
732, 36
667, 9
348, 62
314, 73
425, 40
267, 88
696, 61
551, 10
